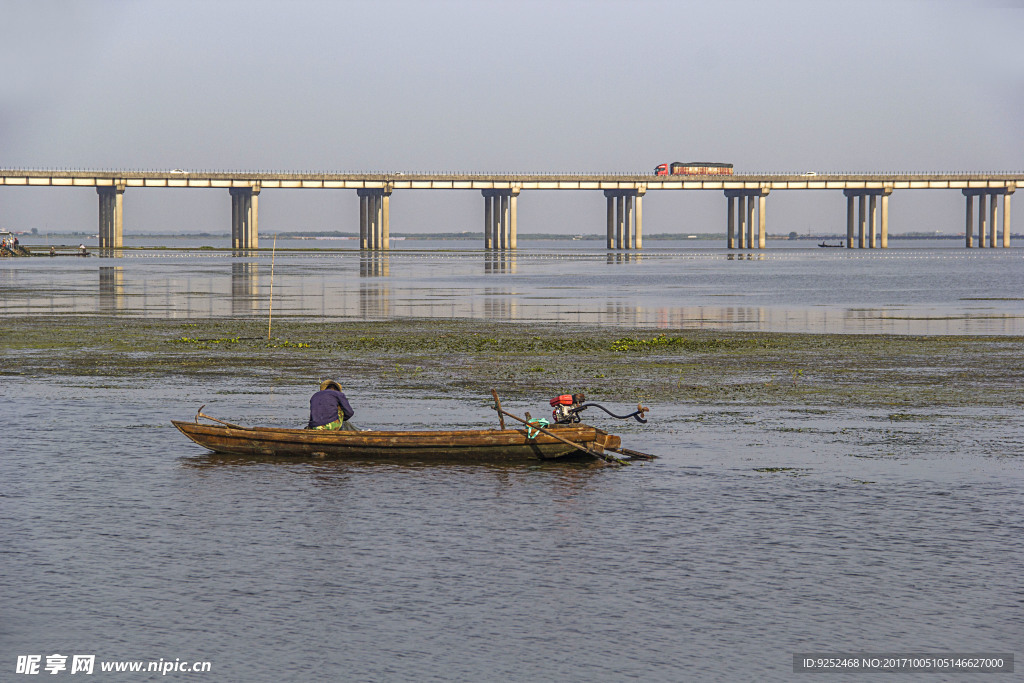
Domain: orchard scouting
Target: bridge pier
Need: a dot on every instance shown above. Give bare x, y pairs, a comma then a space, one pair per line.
111, 215
500, 215
625, 218
746, 230
869, 234
374, 218
245, 217
988, 202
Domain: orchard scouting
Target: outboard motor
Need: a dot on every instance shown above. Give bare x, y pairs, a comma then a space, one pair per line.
567, 409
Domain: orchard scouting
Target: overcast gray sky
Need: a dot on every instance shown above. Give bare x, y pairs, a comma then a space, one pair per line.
504, 86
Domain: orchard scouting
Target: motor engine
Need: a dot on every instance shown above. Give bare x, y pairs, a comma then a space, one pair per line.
567, 407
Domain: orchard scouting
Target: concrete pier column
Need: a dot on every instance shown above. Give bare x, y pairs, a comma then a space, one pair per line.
496, 220
638, 227
499, 224
993, 230
849, 219
982, 218
513, 198
371, 213
505, 222
374, 218
500, 238
370, 226
378, 216
872, 228
730, 239
628, 236
625, 218
488, 222
245, 217
610, 200
969, 224
501, 207
742, 227
885, 218
861, 220
750, 221
988, 210
761, 236
374, 225
364, 221
1006, 216
620, 214
253, 218
375, 221
111, 220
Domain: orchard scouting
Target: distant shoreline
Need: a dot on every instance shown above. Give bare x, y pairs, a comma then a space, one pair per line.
445, 236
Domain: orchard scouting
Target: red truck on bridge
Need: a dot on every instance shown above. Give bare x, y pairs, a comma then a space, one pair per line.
693, 168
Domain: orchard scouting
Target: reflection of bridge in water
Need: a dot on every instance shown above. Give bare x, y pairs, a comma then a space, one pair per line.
652, 290
111, 297
245, 285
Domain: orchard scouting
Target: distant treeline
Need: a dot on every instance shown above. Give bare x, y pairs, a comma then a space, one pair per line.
524, 235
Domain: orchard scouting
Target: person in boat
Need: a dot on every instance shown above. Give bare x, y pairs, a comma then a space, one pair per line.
329, 408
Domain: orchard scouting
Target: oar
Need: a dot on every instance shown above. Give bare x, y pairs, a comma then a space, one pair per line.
580, 447
633, 454
497, 406
199, 414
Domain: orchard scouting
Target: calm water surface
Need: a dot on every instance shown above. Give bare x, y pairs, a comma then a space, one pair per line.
760, 533
911, 290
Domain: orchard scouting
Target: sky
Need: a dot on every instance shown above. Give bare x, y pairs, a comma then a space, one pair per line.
525, 86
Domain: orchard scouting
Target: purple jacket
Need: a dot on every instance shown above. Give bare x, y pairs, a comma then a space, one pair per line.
323, 408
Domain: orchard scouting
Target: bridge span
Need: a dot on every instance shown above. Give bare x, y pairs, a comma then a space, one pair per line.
867, 199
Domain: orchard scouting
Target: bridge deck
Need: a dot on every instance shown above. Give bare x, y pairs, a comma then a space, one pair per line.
484, 181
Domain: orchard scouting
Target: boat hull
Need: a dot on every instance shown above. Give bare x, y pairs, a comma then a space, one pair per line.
484, 445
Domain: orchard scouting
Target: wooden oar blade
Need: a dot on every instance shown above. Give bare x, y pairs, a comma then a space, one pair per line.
634, 454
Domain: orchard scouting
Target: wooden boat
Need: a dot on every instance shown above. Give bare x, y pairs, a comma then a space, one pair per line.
826, 244
478, 445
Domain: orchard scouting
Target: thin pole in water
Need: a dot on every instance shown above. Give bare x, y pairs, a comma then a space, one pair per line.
270, 309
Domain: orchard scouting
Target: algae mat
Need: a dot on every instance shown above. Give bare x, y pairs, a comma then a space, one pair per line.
447, 357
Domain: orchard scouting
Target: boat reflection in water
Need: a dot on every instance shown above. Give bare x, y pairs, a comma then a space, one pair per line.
332, 468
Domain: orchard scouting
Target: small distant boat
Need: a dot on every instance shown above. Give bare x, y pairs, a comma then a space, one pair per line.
826, 244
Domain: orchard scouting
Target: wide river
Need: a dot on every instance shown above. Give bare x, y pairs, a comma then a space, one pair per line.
760, 534
917, 287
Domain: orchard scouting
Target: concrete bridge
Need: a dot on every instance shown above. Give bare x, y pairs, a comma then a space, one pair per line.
867, 199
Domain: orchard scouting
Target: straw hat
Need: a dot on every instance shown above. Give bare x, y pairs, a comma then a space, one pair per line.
330, 384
